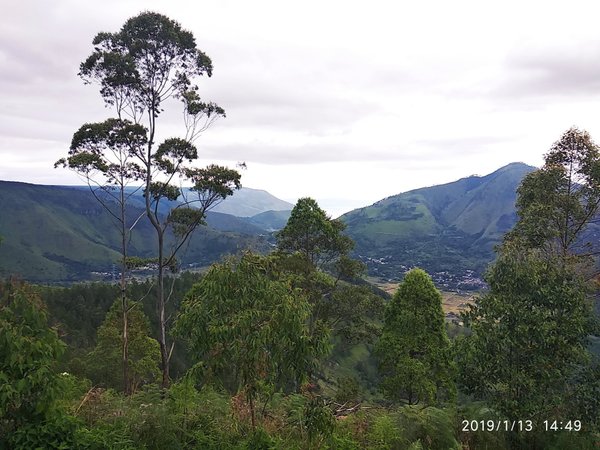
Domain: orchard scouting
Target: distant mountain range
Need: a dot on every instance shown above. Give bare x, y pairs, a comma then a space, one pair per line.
59, 233
449, 230
245, 202
249, 202
54, 233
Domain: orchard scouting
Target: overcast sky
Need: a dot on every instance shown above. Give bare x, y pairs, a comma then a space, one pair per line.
346, 102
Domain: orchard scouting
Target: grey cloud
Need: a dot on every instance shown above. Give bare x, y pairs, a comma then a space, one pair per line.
266, 153
569, 72
296, 89
464, 145
414, 156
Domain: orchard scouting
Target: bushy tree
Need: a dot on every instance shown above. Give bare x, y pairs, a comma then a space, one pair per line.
239, 320
313, 253
150, 60
144, 354
527, 356
314, 235
414, 349
529, 335
557, 203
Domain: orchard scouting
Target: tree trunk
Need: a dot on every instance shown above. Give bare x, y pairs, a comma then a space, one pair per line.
162, 334
126, 387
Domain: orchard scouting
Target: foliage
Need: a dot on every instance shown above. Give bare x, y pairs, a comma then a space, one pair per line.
318, 420
104, 362
488, 439
238, 320
528, 335
348, 390
313, 234
30, 389
414, 349
384, 433
105, 150
29, 351
583, 396
354, 312
78, 311
311, 243
408, 427
557, 203
428, 428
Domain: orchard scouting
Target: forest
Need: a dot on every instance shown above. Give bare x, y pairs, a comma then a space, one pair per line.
292, 349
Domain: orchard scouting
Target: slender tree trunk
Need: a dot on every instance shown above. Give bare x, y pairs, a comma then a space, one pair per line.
162, 322
124, 305
125, 344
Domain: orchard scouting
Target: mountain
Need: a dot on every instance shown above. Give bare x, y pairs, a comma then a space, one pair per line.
448, 229
249, 202
242, 205
245, 202
58, 233
270, 220
233, 224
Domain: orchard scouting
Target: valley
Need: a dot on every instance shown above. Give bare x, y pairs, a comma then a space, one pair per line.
61, 234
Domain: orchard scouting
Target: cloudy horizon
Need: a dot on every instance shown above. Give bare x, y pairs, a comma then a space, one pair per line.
334, 100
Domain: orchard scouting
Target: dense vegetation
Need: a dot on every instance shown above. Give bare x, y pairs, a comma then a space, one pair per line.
294, 349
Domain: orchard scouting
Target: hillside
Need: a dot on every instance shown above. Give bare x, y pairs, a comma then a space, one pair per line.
249, 202
54, 233
246, 202
270, 220
449, 230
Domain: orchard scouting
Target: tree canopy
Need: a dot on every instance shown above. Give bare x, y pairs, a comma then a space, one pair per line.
313, 254
557, 203
239, 320
313, 234
414, 349
529, 334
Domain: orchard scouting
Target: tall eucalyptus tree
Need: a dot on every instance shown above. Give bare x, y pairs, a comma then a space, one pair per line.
141, 69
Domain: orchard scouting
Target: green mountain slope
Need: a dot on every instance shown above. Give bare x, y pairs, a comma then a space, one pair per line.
447, 228
54, 233
227, 222
270, 220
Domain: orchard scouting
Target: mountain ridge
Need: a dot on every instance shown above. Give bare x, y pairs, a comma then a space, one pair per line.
450, 226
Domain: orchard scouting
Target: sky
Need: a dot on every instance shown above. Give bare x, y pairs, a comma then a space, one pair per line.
346, 102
